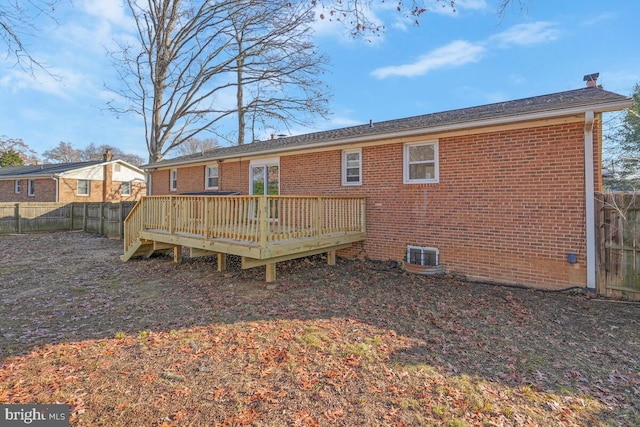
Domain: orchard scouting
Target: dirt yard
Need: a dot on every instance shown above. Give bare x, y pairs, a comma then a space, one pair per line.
151, 343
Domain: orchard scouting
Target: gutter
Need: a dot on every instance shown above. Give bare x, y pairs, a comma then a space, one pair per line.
589, 197
600, 107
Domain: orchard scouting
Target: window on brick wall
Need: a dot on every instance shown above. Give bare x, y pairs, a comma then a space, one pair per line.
211, 178
31, 188
17, 187
421, 163
125, 189
173, 179
352, 167
84, 187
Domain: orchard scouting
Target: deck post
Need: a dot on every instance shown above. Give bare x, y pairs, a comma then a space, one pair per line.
263, 219
205, 222
319, 218
331, 257
271, 272
222, 261
172, 216
177, 254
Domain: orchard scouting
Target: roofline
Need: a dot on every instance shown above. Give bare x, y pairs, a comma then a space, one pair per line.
540, 115
61, 174
50, 175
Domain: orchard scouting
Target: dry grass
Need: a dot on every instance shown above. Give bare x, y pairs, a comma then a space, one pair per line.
153, 343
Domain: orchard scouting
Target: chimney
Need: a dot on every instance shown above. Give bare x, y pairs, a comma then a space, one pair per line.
107, 156
591, 79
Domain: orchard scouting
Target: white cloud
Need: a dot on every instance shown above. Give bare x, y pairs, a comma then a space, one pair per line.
454, 54
112, 11
444, 7
527, 34
606, 16
55, 81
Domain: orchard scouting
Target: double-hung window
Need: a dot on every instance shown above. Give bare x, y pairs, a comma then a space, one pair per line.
211, 178
31, 188
421, 164
17, 187
352, 167
84, 187
125, 189
173, 179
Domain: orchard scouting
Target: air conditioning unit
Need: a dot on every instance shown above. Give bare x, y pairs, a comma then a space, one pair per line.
423, 255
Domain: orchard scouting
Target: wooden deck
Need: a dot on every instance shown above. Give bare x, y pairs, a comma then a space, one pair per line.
263, 230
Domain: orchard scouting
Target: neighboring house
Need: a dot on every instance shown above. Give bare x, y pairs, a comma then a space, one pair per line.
501, 192
94, 181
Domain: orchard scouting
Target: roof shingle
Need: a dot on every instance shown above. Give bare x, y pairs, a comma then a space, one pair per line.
584, 97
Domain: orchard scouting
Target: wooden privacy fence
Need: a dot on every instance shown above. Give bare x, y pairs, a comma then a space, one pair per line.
103, 218
618, 245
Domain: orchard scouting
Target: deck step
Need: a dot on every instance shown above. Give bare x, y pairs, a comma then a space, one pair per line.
138, 249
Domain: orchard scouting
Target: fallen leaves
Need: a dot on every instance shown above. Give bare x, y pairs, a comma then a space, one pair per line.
153, 343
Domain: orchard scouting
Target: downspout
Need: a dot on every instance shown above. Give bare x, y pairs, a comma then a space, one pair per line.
589, 188
55, 178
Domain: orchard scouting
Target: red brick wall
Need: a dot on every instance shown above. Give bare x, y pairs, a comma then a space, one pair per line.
232, 176
68, 191
45, 191
508, 207
190, 179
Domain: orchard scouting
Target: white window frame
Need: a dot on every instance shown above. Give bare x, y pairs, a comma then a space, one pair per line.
124, 192
173, 180
31, 188
17, 188
345, 166
266, 163
88, 182
435, 161
207, 176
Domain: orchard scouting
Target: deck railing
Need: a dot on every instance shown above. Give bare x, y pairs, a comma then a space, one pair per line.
257, 220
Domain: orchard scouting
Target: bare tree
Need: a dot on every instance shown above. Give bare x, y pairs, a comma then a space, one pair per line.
189, 59
93, 152
191, 53
172, 78
277, 68
17, 19
63, 153
196, 145
17, 145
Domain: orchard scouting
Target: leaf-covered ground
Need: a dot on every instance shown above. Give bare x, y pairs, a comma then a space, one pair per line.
149, 343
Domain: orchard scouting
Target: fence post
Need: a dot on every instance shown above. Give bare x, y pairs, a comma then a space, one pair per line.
18, 219
121, 220
85, 213
102, 219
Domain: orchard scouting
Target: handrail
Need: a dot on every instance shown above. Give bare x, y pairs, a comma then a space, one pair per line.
259, 220
132, 225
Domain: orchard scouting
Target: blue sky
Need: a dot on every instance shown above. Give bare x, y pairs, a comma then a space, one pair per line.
451, 60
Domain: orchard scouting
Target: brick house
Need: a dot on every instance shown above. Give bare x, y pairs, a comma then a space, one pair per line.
501, 192
106, 180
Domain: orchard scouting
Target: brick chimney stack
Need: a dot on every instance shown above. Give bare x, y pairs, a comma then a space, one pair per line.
591, 79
